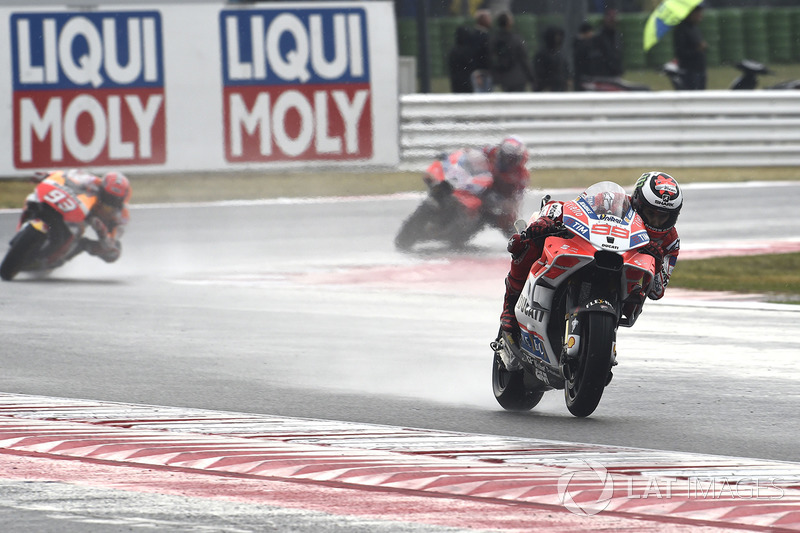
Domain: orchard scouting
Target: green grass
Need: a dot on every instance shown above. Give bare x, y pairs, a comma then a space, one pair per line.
236, 185
773, 274
718, 78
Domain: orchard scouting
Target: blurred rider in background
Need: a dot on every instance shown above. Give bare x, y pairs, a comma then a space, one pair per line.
657, 199
507, 162
108, 215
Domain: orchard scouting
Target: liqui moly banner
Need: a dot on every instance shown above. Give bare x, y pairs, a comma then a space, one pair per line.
296, 84
88, 88
199, 87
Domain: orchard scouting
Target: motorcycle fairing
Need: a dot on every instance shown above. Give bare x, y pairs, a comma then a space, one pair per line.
605, 231
533, 343
618, 234
466, 172
639, 236
72, 207
59, 212
469, 200
560, 259
617, 229
637, 270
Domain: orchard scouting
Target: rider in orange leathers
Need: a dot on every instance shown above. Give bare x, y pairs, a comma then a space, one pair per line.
108, 215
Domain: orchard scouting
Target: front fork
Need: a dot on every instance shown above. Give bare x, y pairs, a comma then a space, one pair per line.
37, 223
571, 348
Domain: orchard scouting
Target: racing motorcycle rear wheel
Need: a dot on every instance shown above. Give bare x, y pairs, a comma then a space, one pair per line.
587, 375
23, 246
510, 390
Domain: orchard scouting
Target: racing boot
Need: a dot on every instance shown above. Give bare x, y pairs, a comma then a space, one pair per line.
508, 320
525, 248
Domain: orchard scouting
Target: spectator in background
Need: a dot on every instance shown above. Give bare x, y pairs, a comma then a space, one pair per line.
584, 56
690, 51
608, 45
481, 76
511, 68
550, 69
461, 62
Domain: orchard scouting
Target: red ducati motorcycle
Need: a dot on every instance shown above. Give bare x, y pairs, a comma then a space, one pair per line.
590, 280
452, 210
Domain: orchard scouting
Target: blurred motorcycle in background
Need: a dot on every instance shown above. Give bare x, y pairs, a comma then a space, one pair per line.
50, 227
453, 210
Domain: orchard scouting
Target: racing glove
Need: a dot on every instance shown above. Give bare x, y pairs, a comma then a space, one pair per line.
519, 243
105, 247
100, 228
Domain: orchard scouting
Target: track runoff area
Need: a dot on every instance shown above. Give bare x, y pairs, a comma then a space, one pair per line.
404, 475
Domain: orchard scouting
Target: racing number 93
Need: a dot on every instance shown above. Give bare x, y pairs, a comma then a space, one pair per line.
61, 200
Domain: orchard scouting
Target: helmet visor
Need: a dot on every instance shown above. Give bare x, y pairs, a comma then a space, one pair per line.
656, 218
507, 161
111, 199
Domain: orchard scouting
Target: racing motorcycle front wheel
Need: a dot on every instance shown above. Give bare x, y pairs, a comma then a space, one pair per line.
23, 246
510, 390
416, 227
587, 374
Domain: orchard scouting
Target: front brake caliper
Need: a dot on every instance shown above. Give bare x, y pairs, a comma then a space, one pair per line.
572, 337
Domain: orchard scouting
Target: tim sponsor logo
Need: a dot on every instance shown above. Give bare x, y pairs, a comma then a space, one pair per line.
88, 89
296, 84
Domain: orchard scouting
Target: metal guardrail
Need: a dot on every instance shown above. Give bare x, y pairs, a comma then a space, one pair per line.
606, 130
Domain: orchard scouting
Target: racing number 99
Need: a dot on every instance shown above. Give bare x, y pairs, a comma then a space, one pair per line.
607, 229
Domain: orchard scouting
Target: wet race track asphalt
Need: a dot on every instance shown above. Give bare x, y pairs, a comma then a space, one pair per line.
304, 309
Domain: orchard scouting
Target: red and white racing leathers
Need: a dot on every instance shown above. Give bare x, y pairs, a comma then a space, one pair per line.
525, 251
508, 188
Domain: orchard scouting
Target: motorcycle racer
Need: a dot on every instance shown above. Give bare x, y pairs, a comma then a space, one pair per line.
657, 199
466, 169
507, 162
109, 214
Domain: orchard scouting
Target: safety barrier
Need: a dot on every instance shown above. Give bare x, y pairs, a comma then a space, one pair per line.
607, 130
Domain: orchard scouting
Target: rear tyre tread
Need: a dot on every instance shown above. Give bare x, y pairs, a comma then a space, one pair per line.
509, 388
